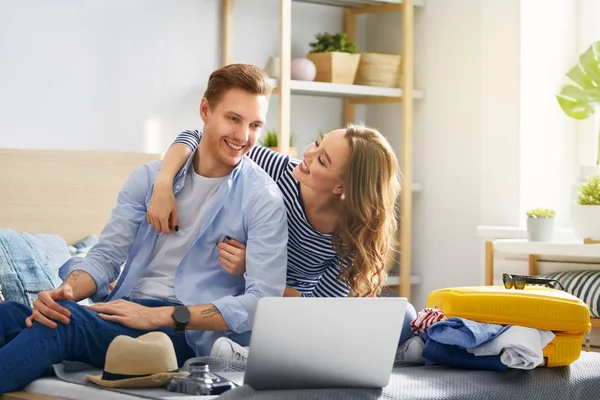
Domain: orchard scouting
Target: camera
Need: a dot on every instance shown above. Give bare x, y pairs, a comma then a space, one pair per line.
199, 382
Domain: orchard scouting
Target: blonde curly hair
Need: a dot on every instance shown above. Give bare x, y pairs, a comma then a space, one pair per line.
368, 215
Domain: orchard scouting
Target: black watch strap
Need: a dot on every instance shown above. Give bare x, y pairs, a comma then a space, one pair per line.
181, 315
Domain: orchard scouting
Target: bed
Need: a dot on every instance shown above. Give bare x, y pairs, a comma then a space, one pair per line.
65, 193
71, 194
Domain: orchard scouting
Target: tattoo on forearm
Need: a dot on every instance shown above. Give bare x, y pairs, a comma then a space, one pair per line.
75, 275
210, 312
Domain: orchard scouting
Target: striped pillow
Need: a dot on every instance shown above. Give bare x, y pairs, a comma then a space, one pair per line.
583, 284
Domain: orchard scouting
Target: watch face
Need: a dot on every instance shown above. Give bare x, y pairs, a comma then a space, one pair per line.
181, 315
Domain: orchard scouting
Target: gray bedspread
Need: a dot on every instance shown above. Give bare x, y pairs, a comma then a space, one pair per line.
580, 380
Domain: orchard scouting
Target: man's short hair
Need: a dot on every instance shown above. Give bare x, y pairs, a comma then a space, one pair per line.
247, 77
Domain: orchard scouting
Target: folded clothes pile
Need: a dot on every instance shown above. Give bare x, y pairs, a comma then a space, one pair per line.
462, 343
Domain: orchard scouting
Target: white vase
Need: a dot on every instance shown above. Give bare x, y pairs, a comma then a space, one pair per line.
303, 69
586, 221
540, 229
272, 67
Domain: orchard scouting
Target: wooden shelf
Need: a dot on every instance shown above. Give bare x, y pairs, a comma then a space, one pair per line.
394, 280
351, 94
566, 249
358, 3
310, 88
417, 187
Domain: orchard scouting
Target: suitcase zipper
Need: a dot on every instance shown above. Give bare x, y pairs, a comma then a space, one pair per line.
587, 342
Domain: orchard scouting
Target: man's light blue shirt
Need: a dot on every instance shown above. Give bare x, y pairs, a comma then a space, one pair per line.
248, 206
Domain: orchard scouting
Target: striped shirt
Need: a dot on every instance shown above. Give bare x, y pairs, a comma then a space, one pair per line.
313, 265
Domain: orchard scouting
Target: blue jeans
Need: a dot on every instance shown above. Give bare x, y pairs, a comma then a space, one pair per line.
27, 353
411, 314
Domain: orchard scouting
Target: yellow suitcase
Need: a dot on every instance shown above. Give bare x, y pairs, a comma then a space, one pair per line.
533, 307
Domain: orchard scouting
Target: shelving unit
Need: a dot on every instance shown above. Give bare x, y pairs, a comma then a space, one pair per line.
353, 95
374, 93
359, 3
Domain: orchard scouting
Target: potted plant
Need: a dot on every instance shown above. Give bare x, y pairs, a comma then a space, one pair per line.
585, 213
540, 225
271, 140
335, 58
580, 96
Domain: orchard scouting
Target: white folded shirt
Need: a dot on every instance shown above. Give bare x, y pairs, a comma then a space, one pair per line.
519, 347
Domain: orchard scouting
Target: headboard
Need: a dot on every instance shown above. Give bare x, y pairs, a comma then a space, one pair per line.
68, 193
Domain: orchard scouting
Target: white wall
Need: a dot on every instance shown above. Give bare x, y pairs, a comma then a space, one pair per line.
129, 75
88, 75
548, 136
489, 137
588, 32
466, 133
500, 112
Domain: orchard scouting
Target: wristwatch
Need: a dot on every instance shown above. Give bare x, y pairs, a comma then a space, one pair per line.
181, 316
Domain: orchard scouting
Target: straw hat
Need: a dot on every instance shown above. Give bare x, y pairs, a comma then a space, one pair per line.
146, 361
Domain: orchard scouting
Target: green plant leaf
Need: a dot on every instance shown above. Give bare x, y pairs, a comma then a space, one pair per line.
579, 77
326, 42
541, 213
589, 192
575, 103
271, 139
589, 61
581, 95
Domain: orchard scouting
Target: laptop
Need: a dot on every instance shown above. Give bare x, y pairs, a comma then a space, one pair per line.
309, 343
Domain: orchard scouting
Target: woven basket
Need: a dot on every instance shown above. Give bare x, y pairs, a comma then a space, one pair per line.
379, 69
335, 67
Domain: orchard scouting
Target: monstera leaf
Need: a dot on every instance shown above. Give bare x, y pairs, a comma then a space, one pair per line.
580, 97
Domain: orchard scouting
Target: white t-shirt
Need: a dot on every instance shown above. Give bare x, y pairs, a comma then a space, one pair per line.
158, 281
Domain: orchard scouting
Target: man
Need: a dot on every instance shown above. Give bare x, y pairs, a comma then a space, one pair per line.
173, 282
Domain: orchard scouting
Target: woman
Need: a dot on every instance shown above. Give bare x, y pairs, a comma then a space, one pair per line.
341, 207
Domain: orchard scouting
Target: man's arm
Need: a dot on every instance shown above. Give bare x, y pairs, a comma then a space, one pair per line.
82, 284
206, 317
90, 276
133, 315
266, 265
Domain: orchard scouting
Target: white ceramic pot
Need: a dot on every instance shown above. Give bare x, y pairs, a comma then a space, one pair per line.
272, 67
540, 229
586, 221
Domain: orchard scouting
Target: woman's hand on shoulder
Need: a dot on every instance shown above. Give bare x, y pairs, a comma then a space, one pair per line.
162, 210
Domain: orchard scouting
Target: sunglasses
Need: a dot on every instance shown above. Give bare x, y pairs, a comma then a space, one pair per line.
520, 281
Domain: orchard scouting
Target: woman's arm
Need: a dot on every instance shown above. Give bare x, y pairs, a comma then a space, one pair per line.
291, 292
232, 257
272, 162
162, 210
329, 285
